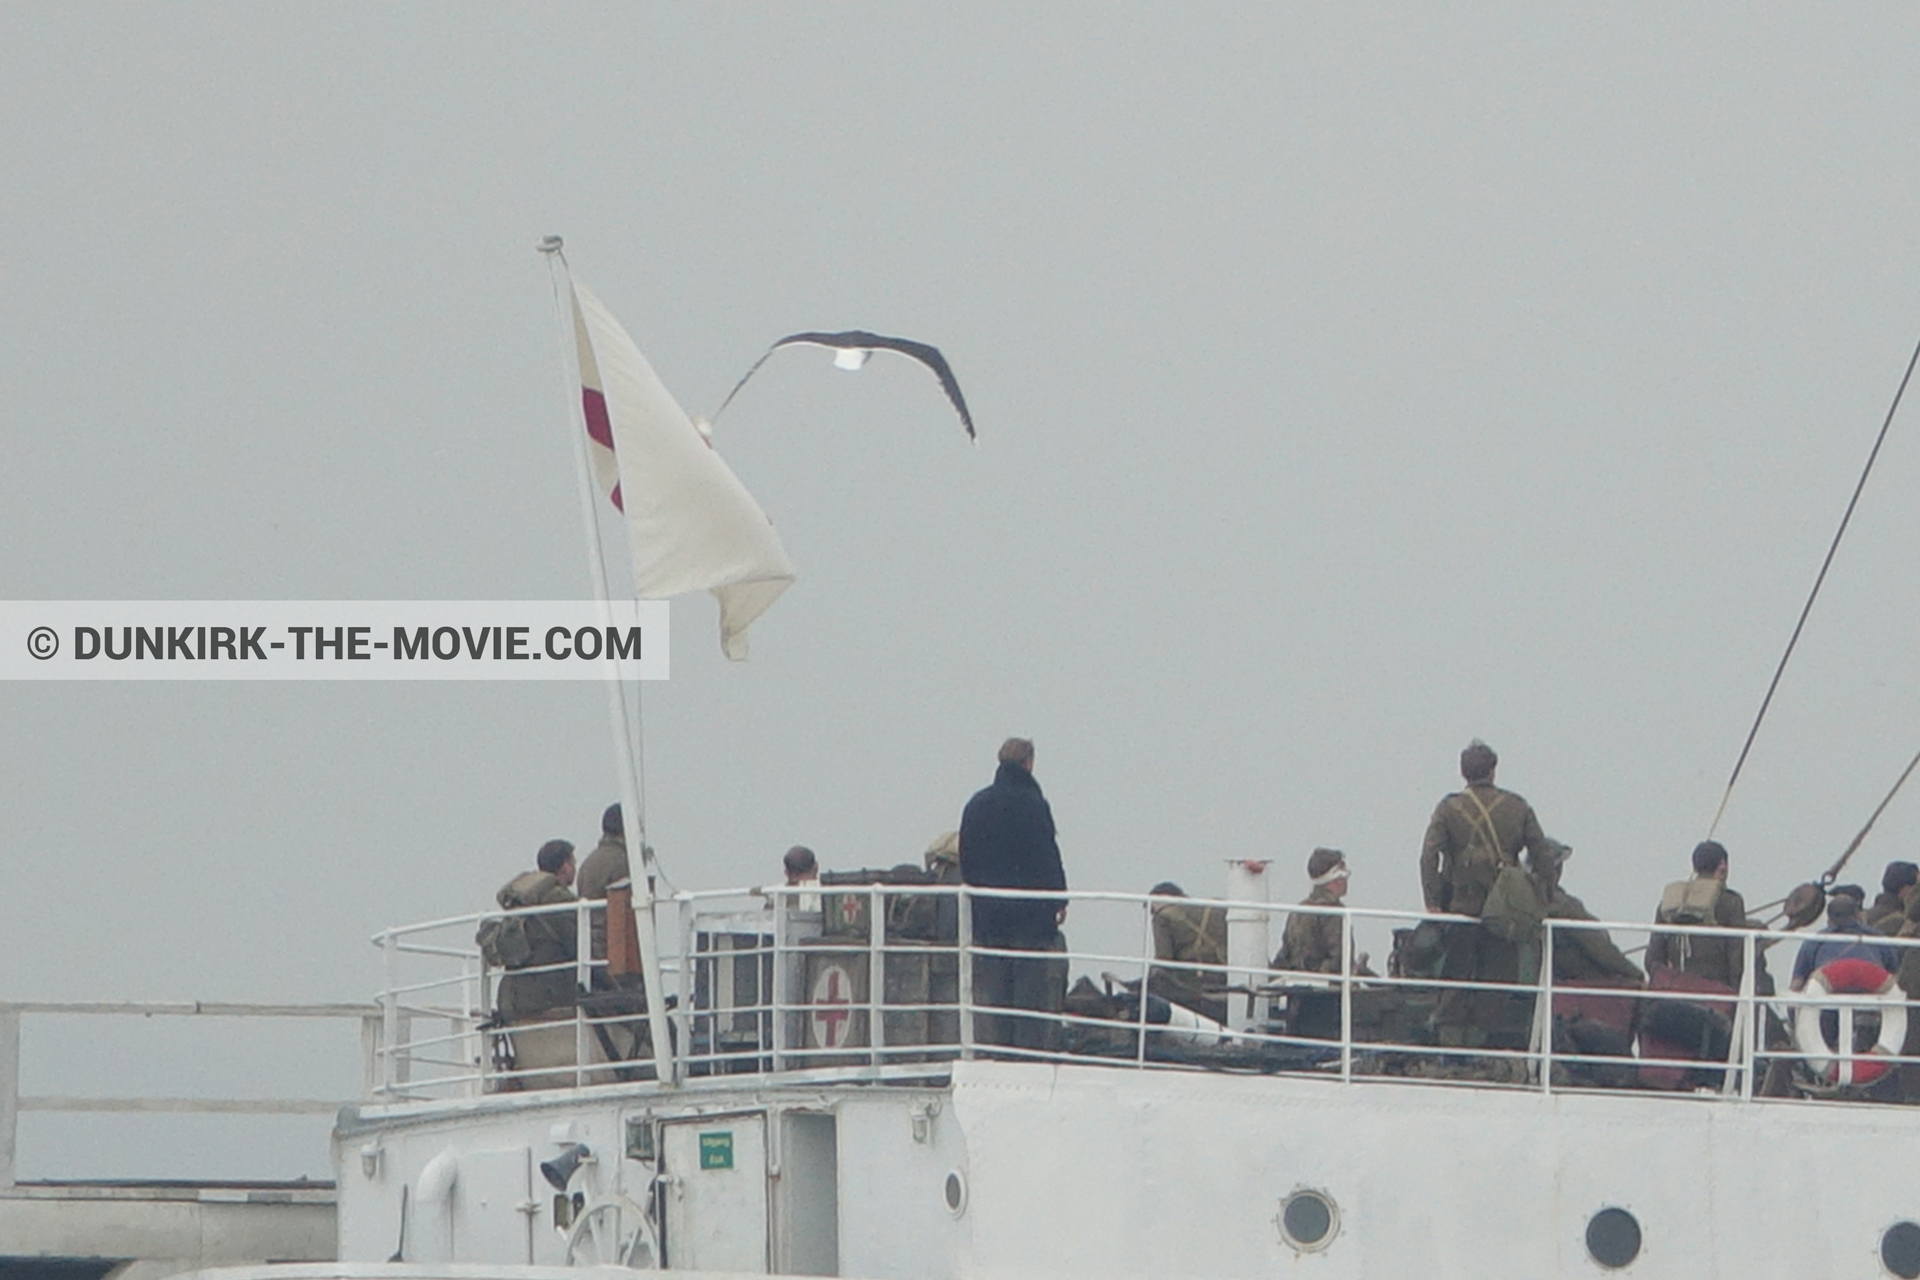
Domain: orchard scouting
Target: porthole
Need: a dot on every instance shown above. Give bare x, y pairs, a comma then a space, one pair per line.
1613, 1238
1900, 1250
1309, 1220
955, 1193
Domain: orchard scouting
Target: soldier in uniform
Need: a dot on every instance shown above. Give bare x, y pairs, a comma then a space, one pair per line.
606, 865
1474, 833
1703, 900
1196, 935
549, 937
1579, 955
1311, 943
1888, 913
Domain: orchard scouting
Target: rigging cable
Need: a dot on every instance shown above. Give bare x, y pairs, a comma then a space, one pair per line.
1807, 608
1833, 872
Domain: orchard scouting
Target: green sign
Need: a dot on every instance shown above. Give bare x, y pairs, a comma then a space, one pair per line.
716, 1150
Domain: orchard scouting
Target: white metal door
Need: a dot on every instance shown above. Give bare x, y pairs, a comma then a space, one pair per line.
492, 1207
716, 1194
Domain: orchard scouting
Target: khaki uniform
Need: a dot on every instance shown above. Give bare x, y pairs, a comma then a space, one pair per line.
1198, 935
1585, 955
1456, 870
1716, 959
1888, 913
606, 865
1462, 853
1311, 943
552, 941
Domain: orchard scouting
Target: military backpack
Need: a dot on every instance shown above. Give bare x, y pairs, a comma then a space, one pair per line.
503, 942
1689, 902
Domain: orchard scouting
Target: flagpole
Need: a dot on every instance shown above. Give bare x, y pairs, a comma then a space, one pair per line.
631, 788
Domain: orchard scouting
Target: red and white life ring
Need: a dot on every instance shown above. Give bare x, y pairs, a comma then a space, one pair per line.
1860, 978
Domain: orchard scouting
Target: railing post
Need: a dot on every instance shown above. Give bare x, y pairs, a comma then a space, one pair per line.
689, 962
964, 951
390, 1011
583, 983
1543, 1015
876, 974
1746, 1026
371, 1033
1146, 976
1346, 994
9, 1094
468, 1028
780, 996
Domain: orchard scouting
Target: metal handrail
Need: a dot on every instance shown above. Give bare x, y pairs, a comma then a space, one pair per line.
767, 1033
13, 1014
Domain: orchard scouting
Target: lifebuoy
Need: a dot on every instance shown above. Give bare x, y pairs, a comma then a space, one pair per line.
1851, 977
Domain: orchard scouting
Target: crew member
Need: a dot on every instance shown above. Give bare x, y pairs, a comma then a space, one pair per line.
802, 868
1473, 835
606, 865
1007, 841
942, 858
1703, 900
1579, 955
942, 861
1311, 942
1846, 937
549, 936
1190, 934
1888, 913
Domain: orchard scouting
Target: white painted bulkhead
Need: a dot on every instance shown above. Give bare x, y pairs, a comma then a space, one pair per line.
1085, 1172
1018, 1170
805, 1181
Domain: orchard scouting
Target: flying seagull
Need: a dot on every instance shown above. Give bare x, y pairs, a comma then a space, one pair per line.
851, 350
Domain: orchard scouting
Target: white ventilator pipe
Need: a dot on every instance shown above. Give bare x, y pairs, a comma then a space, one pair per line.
1249, 936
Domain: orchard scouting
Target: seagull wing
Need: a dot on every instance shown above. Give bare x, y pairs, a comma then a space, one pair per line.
862, 340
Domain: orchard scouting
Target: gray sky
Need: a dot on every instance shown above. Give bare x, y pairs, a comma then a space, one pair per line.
1350, 382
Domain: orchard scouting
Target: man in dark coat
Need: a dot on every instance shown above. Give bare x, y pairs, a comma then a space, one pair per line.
1007, 842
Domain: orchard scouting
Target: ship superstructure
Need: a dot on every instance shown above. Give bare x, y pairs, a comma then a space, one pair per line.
829, 1105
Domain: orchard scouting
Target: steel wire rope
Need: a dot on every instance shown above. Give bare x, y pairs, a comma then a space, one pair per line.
1774, 684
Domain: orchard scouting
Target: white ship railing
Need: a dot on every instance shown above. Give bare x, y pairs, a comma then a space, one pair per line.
13, 1014
737, 966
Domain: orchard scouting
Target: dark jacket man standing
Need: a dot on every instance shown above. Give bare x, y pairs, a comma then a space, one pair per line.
1007, 842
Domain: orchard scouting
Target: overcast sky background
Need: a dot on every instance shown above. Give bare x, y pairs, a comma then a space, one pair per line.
1350, 382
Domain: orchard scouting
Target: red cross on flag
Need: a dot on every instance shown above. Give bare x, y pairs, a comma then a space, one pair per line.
691, 524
